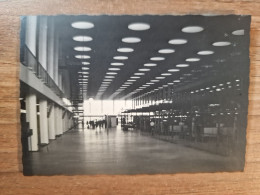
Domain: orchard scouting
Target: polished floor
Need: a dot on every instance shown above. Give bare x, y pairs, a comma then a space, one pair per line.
113, 151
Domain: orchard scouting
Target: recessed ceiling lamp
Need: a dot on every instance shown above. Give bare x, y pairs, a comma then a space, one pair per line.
182, 65
239, 32
125, 50
165, 51
114, 69
150, 64
109, 77
120, 57
135, 77
111, 73
131, 80
144, 69
131, 40
170, 83
82, 56
154, 81
85, 63
221, 43
157, 58
166, 74
106, 82
173, 70
146, 85
139, 73
117, 64
85, 68
206, 52
79, 48
150, 83
139, 26
192, 29
82, 25
177, 41
160, 77
82, 38
176, 81
192, 60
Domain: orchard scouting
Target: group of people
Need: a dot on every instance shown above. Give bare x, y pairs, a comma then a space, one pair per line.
97, 123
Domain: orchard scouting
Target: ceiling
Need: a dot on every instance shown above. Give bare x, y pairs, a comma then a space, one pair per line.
107, 33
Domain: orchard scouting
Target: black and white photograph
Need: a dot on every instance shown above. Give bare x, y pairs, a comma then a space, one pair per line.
133, 94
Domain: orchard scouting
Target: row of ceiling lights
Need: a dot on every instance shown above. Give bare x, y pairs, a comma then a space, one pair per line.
139, 27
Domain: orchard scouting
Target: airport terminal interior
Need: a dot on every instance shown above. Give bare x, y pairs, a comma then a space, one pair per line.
133, 94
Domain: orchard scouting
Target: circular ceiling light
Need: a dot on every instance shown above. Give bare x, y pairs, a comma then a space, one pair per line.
192, 29
131, 40
206, 52
109, 77
139, 26
85, 63
117, 64
111, 73
192, 60
79, 48
150, 64
144, 69
82, 56
82, 25
173, 70
166, 74
165, 51
125, 49
82, 38
114, 69
221, 43
239, 32
177, 41
157, 58
139, 73
120, 57
160, 77
182, 65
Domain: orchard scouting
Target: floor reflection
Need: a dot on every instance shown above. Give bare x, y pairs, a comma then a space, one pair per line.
113, 151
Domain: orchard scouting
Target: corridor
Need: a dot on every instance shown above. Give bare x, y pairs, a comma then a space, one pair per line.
113, 151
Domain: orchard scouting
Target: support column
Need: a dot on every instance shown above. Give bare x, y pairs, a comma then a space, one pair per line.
61, 121
30, 37
31, 117
52, 122
57, 120
44, 122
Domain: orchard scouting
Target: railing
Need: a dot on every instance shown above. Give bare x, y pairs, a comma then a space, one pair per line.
29, 60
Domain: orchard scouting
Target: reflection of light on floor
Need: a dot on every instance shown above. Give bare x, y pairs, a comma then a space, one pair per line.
113, 151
